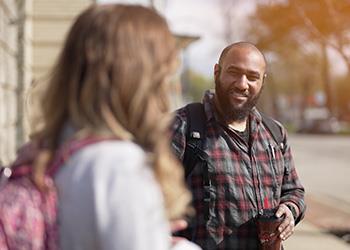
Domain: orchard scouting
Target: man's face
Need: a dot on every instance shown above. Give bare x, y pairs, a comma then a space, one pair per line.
238, 81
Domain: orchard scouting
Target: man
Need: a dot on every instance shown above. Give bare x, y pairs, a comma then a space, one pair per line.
246, 171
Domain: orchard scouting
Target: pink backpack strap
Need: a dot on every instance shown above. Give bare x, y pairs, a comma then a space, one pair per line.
23, 165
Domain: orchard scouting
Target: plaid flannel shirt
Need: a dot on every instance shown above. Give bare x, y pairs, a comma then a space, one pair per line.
245, 179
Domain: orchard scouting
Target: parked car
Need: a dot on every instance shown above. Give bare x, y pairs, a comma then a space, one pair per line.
320, 126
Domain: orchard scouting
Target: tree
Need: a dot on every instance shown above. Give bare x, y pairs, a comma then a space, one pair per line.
283, 28
342, 88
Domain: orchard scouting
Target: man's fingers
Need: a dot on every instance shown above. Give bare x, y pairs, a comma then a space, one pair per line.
287, 230
177, 225
286, 234
176, 239
286, 223
281, 210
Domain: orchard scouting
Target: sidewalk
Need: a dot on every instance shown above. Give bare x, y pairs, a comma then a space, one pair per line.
309, 237
323, 214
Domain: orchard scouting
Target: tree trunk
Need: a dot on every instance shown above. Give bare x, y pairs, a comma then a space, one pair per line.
326, 78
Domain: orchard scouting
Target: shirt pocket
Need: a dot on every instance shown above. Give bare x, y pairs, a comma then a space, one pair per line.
272, 162
275, 160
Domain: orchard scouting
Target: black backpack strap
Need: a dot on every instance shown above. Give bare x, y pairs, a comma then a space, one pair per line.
195, 136
196, 120
194, 153
274, 129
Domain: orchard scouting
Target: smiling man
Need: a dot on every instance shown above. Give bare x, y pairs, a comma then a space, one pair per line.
238, 162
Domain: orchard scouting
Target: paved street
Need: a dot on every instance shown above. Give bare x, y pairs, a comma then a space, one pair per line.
323, 164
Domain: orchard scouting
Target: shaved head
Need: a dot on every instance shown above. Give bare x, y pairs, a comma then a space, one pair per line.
240, 45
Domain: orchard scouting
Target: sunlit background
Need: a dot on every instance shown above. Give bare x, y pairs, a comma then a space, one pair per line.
306, 43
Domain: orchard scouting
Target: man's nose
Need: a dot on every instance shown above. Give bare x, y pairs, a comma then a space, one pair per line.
242, 82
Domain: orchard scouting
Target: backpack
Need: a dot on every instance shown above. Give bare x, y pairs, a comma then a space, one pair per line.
28, 216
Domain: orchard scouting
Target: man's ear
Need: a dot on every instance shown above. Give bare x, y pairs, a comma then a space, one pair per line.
264, 77
216, 71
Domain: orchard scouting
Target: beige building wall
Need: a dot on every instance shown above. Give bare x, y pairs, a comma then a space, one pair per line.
51, 21
8, 79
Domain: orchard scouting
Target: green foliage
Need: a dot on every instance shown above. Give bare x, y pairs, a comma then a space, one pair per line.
196, 84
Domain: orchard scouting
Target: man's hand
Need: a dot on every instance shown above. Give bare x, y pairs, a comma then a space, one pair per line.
180, 243
286, 228
175, 226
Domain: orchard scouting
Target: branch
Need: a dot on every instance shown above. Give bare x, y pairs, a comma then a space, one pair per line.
338, 34
315, 31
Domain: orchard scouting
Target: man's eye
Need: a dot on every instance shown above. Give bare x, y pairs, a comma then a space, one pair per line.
234, 73
252, 78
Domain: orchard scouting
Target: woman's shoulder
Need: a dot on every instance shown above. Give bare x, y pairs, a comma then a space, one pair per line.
113, 148
112, 153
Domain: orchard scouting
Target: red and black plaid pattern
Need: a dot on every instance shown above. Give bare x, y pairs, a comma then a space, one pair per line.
245, 179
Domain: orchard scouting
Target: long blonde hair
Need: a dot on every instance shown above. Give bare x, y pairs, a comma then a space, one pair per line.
112, 75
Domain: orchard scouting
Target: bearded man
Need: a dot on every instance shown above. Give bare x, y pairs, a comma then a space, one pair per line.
238, 168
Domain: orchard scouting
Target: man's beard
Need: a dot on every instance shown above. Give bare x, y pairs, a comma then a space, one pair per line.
230, 112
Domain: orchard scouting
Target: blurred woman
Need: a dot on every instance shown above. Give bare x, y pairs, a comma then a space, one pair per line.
110, 81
